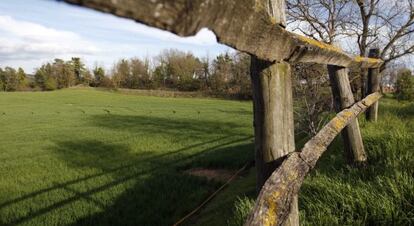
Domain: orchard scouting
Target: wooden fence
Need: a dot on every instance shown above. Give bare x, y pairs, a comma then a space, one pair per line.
257, 27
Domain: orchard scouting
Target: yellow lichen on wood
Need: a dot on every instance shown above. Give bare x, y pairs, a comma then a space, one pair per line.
369, 100
347, 114
292, 175
319, 44
270, 218
338, 124
367, 59
273, 20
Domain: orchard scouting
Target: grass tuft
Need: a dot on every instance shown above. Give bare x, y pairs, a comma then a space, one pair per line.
242, 208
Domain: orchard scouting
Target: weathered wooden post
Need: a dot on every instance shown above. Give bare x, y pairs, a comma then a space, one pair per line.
272, 205
273, 115
373, 86
343, 98
273, 120
273, 111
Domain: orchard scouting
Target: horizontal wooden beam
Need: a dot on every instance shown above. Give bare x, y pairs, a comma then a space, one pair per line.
366, 62
242, 24
274, 201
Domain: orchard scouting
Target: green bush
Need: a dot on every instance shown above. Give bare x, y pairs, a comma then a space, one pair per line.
51, 84
405, 85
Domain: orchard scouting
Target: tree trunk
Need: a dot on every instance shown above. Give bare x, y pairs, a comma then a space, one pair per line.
343, 98
373, 86
273, 120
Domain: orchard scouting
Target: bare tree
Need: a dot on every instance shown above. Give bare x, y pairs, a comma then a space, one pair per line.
312, 96
322, 20
387, 24
384, 24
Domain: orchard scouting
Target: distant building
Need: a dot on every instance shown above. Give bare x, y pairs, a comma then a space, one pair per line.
388, 88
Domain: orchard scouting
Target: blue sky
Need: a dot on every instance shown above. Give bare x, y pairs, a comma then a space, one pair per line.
36, 31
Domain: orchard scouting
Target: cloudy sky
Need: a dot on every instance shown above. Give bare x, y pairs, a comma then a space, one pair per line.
36, 31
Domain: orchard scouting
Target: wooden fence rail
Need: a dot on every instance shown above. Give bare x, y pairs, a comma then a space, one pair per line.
274, 201
242, 24
257, 27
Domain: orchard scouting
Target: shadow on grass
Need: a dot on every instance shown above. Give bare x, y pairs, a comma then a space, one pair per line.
238, 112
174, 127
166, 194
157, 192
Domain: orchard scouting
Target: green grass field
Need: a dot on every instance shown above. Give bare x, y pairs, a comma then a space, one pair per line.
99, 158
84, 157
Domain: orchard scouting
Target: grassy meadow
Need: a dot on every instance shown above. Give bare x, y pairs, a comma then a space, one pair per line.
85, 157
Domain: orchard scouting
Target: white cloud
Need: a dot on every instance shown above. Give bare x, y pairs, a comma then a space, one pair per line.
28, 42
21, 39
203, 37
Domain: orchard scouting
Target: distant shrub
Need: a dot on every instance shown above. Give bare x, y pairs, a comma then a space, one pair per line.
107, 83
405, 85
51, 84
189, 84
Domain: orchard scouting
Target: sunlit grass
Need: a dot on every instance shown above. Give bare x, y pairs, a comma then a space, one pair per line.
98, 158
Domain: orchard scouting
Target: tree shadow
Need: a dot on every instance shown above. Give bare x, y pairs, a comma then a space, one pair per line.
238, 112
165, 195
175, 127
156, 192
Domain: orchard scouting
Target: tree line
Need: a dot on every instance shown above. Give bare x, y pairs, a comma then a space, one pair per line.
12, 79
227, 74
